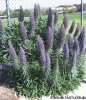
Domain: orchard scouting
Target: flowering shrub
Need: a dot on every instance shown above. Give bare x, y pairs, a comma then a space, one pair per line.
44, 60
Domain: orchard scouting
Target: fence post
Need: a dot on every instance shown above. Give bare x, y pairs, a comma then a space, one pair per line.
82, 13
8, 13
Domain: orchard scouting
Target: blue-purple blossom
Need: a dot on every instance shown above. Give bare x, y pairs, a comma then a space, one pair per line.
5, 66
50, 38
78, 29
39, 10
50, 18
22, 56
61, 36
22, 30
56, 17
48, 61
32, 23
40, 43
43, 58
74, 58
12, 52
82, 40
66, 51
72, 27
36, 12
76, 45
65, 21
70, 41
21, 15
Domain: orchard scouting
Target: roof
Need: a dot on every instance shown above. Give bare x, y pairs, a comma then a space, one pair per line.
65, 5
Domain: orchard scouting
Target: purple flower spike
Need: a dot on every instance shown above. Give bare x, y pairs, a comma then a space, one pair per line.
61, 36
22, 55
56, 17
76, 45
66, 51
74, 58
72, 27
22, 30
50, 38
48, 61
65, 21
36, 12
31, 23
50, 18
78, 29
40, 43
82, 40
43, 58
21, 15
70, 41
39, 10
12, 52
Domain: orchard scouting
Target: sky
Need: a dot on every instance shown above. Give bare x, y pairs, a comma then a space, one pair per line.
27, 4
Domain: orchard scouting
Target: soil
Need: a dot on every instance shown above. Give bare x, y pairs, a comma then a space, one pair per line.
7, 94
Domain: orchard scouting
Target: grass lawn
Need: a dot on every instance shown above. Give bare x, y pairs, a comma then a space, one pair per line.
72, 16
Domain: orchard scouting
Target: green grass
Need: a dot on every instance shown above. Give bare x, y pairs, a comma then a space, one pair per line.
72, 16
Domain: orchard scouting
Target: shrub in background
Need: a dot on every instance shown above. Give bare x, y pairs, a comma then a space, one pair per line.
73, 10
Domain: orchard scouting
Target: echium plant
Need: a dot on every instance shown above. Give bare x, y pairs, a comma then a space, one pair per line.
21, 15
50, 18
23, 61
76, 45
36, 12
66, 22
39, 10
41, 49
56, 17
66, 51
73, 63
72, 27
50, 61
12, 52
82, 40
50, 38
22, 30
31, 24
78, 29
22, 56
70, 41
44, 56
40, 43
61, 36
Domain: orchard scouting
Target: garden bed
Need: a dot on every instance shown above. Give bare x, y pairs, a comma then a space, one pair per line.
45, 58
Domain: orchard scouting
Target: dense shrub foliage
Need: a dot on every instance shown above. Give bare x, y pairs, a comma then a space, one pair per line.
69, 10
46, 59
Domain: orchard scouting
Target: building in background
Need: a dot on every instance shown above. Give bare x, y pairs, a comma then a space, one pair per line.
64, 8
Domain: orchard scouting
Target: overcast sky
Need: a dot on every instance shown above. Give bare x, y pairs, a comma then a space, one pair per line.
15, 4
